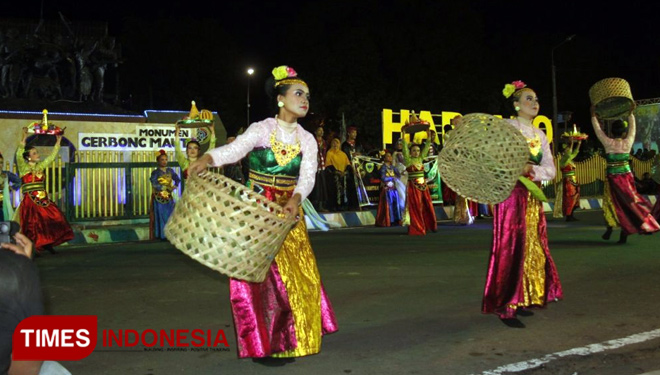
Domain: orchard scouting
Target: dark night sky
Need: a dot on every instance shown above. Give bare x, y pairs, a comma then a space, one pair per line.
362, 56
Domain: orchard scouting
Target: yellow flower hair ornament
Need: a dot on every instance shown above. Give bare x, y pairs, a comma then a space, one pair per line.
512, 87
283, 71
285, 75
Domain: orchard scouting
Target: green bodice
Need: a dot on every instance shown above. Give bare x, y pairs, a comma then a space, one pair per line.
263, 161
617, 163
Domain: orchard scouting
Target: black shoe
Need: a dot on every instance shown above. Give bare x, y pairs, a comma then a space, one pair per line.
524, 312
51, 250
607, 234
513, 323
623, 238
273, 362
571, 218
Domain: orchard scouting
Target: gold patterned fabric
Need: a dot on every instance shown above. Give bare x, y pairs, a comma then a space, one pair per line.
533, 282
276, 181
609, 211
297, 267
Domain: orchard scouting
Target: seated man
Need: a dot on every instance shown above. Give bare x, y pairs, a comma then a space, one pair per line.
20, 297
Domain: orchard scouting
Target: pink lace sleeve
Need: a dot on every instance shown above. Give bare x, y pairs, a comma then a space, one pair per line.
547, 170
244, 143
308, 166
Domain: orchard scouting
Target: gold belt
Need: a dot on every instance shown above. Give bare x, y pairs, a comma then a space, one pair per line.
33, 186
278, 182
419, 174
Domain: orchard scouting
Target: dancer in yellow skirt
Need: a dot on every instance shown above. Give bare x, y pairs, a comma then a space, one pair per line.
286, 315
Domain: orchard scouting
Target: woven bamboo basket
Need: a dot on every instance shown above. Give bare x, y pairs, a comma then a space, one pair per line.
228, 227
483, 158
612, 98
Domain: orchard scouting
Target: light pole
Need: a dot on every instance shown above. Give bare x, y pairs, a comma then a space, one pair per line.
554, 89
250, 71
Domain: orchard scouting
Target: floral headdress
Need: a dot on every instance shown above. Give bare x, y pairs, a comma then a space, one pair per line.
285, 75
159, 153
512, 87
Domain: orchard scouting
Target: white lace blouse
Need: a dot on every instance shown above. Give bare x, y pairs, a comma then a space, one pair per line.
258, 134
546, 170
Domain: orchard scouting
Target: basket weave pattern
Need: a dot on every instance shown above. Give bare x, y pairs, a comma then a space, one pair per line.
228, 227
611, 98
483, 158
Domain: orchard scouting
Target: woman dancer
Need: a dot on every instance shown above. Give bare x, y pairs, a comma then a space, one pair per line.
286, 315
8, 182
521, 272
388, 213
163, 181
192, 150
570, 187
418, 199
622, 205
41, 220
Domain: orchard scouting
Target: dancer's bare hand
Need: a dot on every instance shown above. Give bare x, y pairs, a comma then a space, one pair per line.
23, 245
291, 206
200, 165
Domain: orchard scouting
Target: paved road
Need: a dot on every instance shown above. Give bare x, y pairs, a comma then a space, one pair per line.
405, 305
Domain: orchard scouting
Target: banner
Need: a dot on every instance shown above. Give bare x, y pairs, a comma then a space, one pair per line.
368, 179
146, 138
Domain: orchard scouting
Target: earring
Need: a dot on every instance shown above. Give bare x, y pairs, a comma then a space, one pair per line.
517, 108
280, 104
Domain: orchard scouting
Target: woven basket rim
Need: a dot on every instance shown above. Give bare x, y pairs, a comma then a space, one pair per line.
277, 209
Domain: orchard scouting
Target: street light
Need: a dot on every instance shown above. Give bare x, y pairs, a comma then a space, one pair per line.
554, 89
250, 71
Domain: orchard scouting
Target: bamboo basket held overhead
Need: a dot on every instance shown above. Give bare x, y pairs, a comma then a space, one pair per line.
228, 227
483, 158
612, 98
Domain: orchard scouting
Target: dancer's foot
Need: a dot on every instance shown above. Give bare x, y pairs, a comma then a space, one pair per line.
607, 234
51, 250
571, 218
273, 362
512, 322
524, 312
623, 238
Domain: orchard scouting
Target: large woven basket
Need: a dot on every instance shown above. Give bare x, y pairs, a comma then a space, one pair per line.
612, 98
228, 227
483, 158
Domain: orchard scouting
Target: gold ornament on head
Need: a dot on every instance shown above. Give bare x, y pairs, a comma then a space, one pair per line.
44, 122
195, 118
44, 128
194, 112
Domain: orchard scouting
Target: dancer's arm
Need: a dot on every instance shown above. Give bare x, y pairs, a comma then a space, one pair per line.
547, 170
179, 155
53, 154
